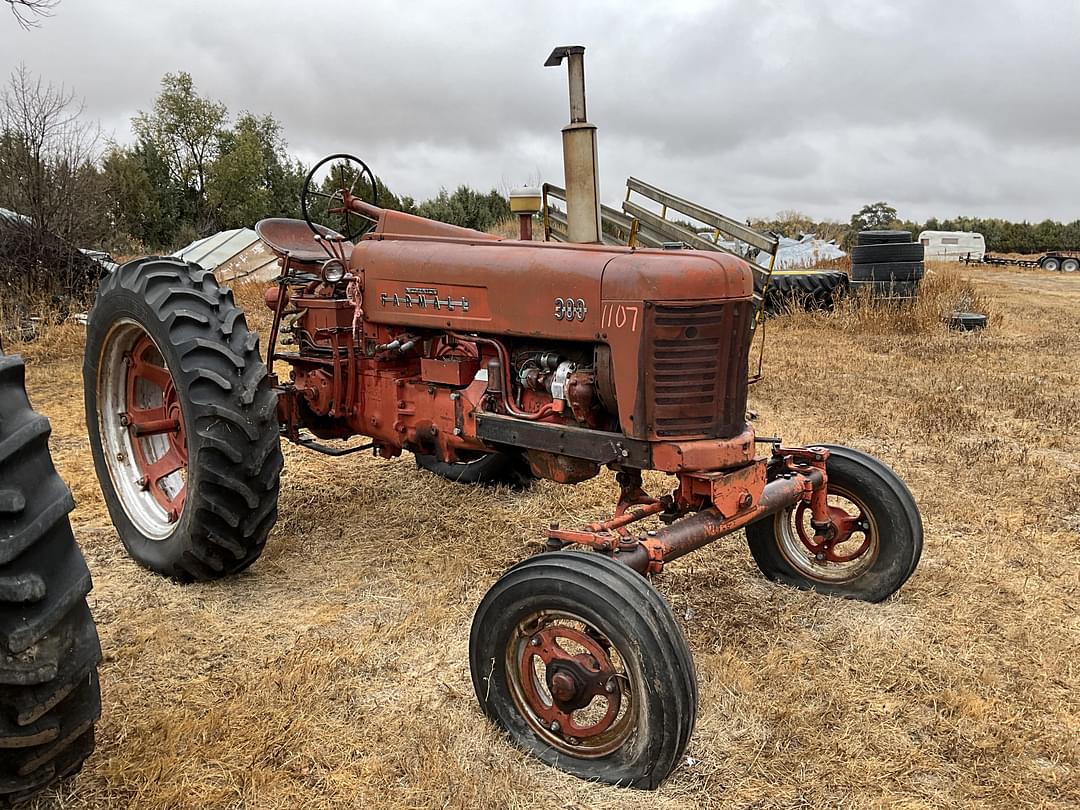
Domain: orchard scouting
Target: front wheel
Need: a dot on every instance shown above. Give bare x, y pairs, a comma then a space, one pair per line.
879, 534
182, 420
580, 660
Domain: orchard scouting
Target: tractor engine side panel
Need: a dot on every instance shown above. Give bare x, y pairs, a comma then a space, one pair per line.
504, 288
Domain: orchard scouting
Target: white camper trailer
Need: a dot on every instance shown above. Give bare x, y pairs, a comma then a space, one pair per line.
952, 246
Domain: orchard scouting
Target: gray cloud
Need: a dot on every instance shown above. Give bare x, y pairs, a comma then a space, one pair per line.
750, 107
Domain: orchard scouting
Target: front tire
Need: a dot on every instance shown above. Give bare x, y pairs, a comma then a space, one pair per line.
580, 660
182, 420
49, 650
881, 551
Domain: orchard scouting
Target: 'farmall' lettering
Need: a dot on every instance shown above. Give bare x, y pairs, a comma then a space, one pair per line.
424, 298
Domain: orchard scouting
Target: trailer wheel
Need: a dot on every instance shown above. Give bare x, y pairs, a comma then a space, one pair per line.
487, 469
49, 650
580, 660
1050, 263
881, 539
1070, 265
182, 420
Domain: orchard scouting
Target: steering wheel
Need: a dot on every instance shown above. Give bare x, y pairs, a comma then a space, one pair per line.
346, 175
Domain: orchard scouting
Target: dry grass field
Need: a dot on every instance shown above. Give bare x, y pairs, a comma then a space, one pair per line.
333, 674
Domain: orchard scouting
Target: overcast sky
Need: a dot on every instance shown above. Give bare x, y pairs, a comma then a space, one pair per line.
941, 108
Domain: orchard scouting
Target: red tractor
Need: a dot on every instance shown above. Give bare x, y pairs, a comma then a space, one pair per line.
452, 343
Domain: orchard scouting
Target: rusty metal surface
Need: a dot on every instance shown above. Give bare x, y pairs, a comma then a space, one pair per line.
293, 238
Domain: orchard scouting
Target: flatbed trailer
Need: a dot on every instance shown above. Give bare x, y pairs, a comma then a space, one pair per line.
1065, 260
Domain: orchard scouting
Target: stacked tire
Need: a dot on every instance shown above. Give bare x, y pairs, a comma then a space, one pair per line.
49, 651
886, 264
807, 289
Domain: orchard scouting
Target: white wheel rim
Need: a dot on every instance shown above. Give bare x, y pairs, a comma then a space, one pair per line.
118, 441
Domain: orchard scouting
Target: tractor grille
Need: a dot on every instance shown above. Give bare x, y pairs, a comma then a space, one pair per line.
696, 369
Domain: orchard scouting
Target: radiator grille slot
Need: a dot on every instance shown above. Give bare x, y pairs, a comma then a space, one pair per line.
696, 369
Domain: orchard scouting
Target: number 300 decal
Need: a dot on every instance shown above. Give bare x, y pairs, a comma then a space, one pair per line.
570, 309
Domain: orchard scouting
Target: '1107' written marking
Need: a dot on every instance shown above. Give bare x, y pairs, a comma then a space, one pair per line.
619, 316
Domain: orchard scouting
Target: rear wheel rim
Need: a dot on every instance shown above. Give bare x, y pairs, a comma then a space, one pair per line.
141, 423
846, 556
571, 685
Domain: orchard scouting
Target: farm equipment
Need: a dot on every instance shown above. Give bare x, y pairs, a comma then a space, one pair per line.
1067, 261
422, 336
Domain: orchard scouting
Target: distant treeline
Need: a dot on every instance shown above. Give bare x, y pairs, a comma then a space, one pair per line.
190, 169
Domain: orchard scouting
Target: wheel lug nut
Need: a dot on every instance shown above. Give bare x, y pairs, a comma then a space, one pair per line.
535, 642
555, 726
819, 557
609, 687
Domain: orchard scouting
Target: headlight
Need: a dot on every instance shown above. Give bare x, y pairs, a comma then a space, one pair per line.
333, 271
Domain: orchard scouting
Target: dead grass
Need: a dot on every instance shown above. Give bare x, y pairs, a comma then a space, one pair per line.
334, 673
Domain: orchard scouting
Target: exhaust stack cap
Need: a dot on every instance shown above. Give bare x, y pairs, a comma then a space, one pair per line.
582, 178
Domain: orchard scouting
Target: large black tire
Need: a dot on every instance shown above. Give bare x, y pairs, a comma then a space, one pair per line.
1052, 263
812, 290
888, 271
893, 520
619, 606
491, 469
890, 252
882, 237
228, 414
49, 650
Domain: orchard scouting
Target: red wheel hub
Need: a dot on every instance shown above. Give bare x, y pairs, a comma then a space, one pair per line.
572, 681
843, 526
152, 409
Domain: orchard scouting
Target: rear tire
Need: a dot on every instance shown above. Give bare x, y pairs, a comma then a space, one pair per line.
49, 650
164, 334
1050, 263
1070, 265
488, 470
632, 667
893, 534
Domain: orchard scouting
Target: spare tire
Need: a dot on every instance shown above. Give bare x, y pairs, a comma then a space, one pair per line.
891, 252
887, 271
882, 237
49, 650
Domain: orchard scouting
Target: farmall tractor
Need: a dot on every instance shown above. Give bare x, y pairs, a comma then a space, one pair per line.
448, 342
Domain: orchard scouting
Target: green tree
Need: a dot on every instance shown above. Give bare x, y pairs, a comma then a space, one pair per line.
873, 216
143, 202
253, 176
185, 128
466, 207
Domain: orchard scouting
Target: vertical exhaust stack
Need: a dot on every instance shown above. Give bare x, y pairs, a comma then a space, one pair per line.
579, 152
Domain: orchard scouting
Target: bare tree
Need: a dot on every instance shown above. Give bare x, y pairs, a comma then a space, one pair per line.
30, 12
49, 176
48, 158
